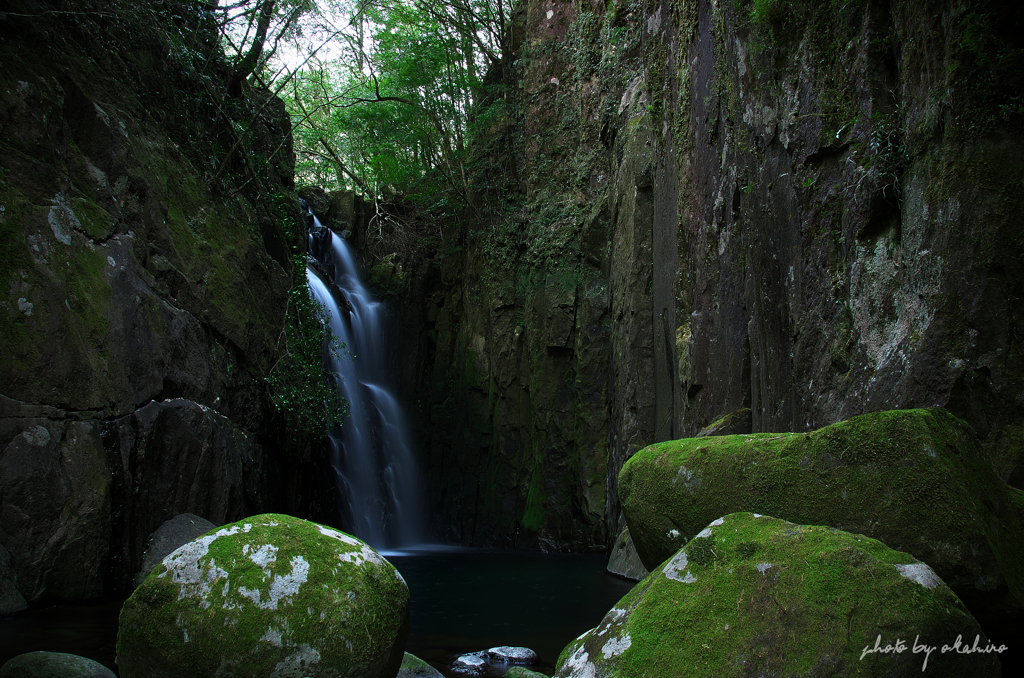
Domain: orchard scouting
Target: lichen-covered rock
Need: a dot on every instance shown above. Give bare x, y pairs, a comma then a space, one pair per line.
270, 595
54, 665
414, 667
754, 595
625, 561
916, 479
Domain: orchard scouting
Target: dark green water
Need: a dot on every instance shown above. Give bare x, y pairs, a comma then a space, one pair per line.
463, 600
469, 600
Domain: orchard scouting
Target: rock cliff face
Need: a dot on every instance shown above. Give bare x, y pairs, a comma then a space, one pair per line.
141, 306
689, 207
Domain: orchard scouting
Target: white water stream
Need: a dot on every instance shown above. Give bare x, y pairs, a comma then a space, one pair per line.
371, 452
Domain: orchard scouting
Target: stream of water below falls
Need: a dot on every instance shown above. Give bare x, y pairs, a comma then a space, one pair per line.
462, 600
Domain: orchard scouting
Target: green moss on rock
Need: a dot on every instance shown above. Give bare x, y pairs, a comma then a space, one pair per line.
734, 423
520, 672
268, 595
414, 667
806, 601
916, 479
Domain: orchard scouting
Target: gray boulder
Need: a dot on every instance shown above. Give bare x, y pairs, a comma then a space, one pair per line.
506, 654
625, 561
178, 531
54, 665
80, 499
501, 657
470, 664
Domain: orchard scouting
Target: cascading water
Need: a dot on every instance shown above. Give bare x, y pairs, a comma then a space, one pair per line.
371, 451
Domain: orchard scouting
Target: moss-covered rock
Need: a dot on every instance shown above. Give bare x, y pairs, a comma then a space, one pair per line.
915, 479
268, 595
755, 595
414, 667
520, 672
734, 423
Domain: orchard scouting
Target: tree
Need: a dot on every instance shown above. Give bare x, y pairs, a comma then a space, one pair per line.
388, 113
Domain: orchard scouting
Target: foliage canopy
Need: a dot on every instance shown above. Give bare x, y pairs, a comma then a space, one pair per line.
385, 109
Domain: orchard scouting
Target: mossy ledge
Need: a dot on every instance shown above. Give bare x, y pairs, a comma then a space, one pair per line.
915, 479
755, 595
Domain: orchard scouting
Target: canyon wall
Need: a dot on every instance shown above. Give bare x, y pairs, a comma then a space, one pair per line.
685, 208
142, 306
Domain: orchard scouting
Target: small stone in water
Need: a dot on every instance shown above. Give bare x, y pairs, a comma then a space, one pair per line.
512, 655
471, 664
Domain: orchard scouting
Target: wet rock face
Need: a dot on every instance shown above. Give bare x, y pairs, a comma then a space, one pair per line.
56, 509
267, 594
11, 599
125, 286
916, 480
178, 457
808, 213
80, 498
128, 282
768, 597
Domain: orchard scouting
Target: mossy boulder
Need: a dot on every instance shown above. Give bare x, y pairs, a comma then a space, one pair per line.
915, 479
268, 595
414, 667
520, 672
755, 595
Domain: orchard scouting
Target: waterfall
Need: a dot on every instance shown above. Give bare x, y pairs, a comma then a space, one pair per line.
371, 452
